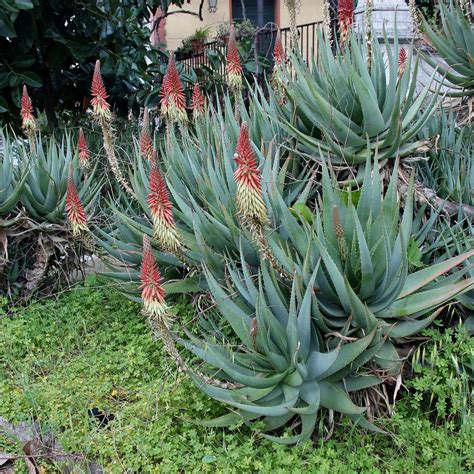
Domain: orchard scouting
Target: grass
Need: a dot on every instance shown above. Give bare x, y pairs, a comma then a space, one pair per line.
91, 348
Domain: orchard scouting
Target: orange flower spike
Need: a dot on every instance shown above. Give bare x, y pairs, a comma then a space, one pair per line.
74, 209
173, 101
146, 142
82, 149
234, 66
198, 102
402, 61
153, 293
161, 210
27, 117
101, 107
278, 51
250, 203
346, 18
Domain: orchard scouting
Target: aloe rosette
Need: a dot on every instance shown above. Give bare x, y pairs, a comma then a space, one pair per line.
12, 179
342, 107
364, 278
45, 189
276, 358
454, 41
449, 169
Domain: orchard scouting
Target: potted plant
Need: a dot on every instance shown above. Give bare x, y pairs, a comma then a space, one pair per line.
222, 33
185, 50
198, 39
245, 28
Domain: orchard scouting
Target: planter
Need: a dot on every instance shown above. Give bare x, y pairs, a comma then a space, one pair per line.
198, 46
223, 40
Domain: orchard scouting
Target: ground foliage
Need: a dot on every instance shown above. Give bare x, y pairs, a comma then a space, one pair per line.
91, 348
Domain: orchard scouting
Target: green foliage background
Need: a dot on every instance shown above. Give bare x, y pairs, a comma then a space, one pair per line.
52, 45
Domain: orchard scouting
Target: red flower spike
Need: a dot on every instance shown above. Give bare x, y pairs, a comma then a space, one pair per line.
346, 18
82, 149
402, 61
278, 51
250, 202
74, 209
27, 117
198, 102
161, 210
146, 142
233, 67
99, 102
153, 293
173, 102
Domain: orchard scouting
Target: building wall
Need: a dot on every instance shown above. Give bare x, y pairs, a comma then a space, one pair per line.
180, 25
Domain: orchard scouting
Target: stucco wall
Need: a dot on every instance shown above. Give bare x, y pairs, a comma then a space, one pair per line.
180, 26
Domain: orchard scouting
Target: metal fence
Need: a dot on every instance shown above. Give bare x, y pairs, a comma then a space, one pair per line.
262, 47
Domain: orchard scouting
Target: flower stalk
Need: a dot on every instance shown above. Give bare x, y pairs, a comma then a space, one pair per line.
161, 209
146, 142
234, 66
74, 209
28, 119
83, 151
103, 115
251, 207
173, 102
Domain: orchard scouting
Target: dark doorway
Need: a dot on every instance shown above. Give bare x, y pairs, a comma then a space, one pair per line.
259, 12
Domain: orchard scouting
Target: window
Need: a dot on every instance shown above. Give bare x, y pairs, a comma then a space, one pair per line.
259, 12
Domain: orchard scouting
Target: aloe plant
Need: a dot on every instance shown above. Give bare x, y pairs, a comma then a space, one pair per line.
11, 180
344, 107
449, 171
198, 170
454, 41
364, 278
275, 360
44, 192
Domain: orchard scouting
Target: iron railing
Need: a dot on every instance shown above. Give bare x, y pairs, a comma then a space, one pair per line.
262, 47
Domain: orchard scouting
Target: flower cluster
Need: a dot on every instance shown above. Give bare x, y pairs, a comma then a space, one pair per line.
173, 102
27, 117
279, 57
100, 106
198, 102
234, 67
161, 209
278, 51
250, 203
74, 209
402, 61
153, 293
346, 19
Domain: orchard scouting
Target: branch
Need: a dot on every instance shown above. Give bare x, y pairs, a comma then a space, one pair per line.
157, 22
427, 195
